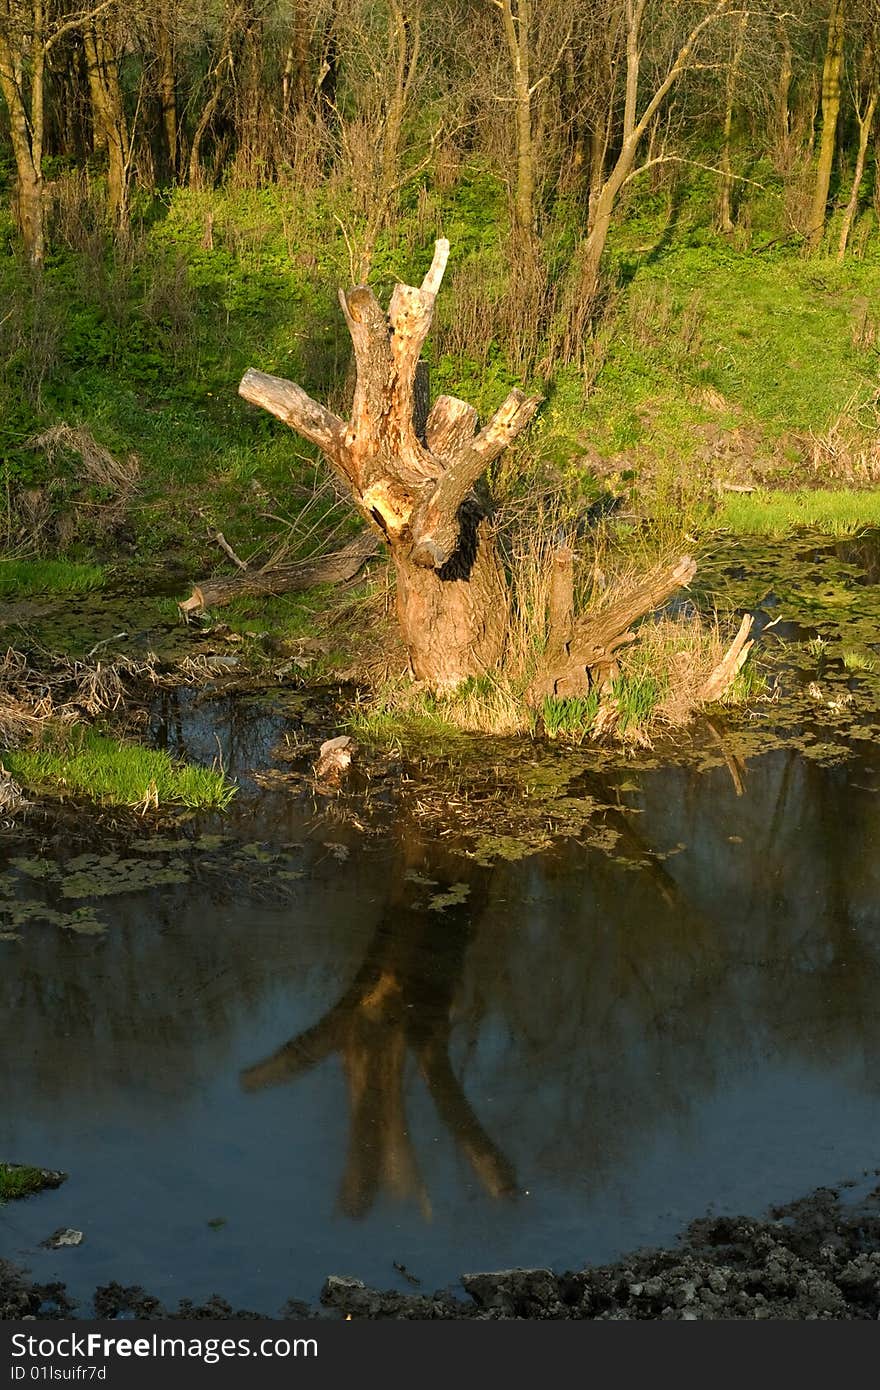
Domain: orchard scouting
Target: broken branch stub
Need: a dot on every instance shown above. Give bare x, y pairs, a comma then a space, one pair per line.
728, 668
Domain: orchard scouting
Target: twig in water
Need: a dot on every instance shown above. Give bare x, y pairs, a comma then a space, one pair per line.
105, 642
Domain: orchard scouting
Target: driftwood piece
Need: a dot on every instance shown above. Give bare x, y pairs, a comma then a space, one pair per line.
342, 565
587, 657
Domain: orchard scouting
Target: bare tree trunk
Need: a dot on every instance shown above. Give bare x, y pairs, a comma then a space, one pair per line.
164, 40
866, 121
108, 114
725, 215
452, 594
295, 78
220, 71
783, 90
26, 126
516, 33
404, 50
634, 128
830, 111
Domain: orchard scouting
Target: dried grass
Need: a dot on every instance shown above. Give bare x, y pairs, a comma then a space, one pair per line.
97, 465
90, 492
12, 798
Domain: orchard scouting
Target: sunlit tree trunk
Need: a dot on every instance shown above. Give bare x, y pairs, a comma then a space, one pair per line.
725, 214
295, 77
108, 112
23, 41
831, 74
416, 486
634, 128
516, 15
865, 119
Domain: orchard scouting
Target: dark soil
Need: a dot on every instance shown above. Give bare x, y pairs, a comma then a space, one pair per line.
819, 1257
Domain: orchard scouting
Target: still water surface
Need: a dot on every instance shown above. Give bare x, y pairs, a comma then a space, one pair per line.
296, 1050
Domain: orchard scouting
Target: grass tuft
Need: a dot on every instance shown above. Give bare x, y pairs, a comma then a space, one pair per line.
776, 513
19, 1180
23, 577
81, 762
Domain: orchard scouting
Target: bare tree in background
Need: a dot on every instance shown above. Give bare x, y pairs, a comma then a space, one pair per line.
831, 97
29, 30
865, 95
639, 111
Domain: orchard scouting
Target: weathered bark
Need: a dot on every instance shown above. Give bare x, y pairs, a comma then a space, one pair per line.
100, 45
517, 38
452, 595
337, 568
831, 75
720, 680
163, 30
454, 620
783, 89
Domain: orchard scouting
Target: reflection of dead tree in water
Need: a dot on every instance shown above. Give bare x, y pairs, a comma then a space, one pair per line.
399, 1001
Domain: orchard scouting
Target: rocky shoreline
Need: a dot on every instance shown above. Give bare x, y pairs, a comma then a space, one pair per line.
818, 1257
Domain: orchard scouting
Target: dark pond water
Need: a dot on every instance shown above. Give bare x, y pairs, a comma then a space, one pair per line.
289, 1044
360, 1051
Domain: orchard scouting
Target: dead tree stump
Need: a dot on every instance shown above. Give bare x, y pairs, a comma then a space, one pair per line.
452, 597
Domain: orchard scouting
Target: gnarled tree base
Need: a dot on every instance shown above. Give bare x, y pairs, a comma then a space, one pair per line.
454, 620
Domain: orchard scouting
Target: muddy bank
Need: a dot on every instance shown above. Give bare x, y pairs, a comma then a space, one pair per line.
818, 1257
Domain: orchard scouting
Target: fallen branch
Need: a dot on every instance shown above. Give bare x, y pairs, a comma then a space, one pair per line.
342, 565
227, 549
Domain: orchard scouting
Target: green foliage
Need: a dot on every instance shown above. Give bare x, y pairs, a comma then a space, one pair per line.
859, 661
637, 695
83, 762
748, 684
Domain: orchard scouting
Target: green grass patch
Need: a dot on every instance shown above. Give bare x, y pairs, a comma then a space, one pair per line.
859, 661
637, 696
19, 1180
86, 763
24, 577
776, 513
570, 718
747, 684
